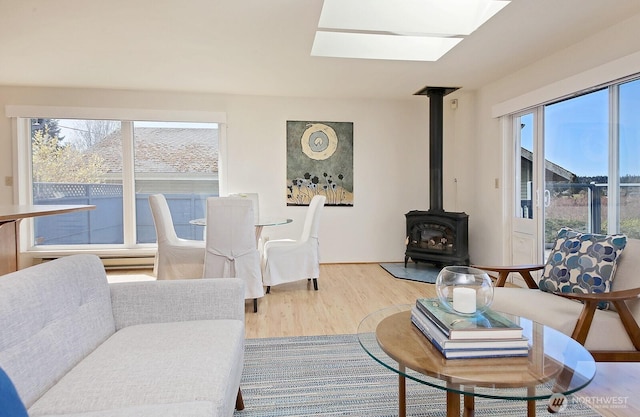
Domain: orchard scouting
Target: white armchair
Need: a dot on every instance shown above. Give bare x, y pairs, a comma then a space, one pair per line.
287, 260
177, 258
231, 250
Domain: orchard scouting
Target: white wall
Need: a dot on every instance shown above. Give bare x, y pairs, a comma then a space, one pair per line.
390, 158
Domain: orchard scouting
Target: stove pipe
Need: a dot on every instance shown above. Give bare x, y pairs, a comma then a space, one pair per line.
435, 95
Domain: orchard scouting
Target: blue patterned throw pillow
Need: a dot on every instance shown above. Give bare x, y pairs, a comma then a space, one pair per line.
582, 263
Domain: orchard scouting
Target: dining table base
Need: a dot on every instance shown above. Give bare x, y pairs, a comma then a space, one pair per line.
8, 247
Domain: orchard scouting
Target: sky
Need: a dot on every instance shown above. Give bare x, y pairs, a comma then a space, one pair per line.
577, 130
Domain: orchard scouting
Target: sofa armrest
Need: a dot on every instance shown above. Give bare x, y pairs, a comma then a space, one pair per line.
504, 271
604, 296
617, 298
177, 300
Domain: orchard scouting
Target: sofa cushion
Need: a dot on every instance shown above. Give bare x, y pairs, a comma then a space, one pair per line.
627, 276
606, 332
582, 263
180, 368
52, 315
10, 402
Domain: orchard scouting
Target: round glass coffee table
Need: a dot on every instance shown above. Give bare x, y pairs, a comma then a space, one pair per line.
556, 364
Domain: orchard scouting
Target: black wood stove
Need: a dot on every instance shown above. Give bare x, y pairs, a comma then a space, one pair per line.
437, 236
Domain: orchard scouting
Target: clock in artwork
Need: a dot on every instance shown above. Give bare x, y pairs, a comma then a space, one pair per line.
319, 161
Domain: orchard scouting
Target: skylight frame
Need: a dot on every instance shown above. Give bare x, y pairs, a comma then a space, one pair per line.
414, 30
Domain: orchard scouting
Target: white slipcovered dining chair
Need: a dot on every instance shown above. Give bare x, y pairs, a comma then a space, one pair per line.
255, 200
230, 242
177, 258
287, 260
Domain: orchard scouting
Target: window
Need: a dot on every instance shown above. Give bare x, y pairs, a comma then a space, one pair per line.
576, 152
179, 160
589, 168
628, 152
524, 128
115, 165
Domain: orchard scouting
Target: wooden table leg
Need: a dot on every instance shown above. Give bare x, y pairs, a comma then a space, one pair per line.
402, 394
531, 404
469, 406
453, 404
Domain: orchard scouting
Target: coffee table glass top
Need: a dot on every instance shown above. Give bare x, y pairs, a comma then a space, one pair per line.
555, 364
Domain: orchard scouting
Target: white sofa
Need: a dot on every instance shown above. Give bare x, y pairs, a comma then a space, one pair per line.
75, 345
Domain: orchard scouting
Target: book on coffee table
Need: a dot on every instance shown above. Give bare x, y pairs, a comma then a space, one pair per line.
467, 348
486, 325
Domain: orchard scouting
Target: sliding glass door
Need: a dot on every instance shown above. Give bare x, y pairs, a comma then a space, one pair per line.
577, 164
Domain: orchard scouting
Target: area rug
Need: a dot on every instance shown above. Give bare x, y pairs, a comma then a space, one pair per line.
414, 271
333, 376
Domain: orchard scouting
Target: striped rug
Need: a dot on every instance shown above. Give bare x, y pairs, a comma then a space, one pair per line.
333, 376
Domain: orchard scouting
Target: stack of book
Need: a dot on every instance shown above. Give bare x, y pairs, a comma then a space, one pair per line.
483, 335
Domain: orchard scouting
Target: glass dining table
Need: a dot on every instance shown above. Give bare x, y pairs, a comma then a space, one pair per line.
262, 222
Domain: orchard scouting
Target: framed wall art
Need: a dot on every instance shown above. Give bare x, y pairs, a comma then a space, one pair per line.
319, 161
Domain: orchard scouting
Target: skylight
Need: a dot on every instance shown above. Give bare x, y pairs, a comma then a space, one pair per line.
412, 30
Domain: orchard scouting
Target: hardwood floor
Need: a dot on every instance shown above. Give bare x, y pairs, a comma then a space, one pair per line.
348, 292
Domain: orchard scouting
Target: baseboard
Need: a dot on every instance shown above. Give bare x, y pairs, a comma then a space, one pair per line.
115, 262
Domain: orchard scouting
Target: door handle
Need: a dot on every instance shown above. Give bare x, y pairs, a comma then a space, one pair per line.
547, 198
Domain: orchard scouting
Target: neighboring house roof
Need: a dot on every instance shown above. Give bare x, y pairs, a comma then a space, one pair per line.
553, 172
164, 150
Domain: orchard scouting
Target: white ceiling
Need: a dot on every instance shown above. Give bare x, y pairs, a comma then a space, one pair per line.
263, 47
